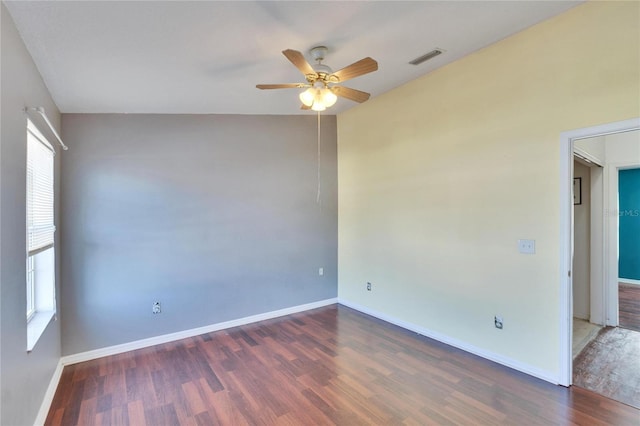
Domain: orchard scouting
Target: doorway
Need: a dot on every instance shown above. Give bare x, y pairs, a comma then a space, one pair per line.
600, 288
567, 141
629, 248
587, 245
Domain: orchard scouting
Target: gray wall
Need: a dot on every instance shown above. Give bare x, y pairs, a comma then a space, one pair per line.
213, 216
23, 377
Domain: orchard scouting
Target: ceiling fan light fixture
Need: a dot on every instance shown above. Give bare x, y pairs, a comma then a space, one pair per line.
318, 106
318, 100
328, 97
307, 97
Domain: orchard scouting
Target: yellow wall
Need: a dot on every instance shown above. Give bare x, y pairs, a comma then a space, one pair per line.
439, 178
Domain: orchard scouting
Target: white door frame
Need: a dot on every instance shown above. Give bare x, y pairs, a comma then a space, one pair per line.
566, 234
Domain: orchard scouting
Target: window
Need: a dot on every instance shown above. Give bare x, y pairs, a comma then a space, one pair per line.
40, 303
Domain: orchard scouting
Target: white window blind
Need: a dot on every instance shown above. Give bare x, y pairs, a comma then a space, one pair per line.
40, 225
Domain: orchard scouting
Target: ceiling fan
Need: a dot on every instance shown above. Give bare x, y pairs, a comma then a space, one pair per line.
322, 82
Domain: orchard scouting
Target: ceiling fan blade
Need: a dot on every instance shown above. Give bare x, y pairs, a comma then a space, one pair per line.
303, 106
353, 94
299, 61
363, 66
282, 86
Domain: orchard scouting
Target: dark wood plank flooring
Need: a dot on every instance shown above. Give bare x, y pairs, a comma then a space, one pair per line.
610, 365
629, 306
328, 366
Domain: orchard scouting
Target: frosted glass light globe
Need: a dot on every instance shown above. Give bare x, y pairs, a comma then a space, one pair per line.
307, 97
328, 97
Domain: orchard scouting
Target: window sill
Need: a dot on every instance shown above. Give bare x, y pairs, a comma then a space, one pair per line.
36, 327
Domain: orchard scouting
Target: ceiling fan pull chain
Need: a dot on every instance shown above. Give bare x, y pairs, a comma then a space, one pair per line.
318, 194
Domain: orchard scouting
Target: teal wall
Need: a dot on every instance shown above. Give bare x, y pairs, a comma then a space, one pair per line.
629, 204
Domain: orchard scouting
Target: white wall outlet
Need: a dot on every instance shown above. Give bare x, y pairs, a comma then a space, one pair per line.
155, 308
320, 271
527, 246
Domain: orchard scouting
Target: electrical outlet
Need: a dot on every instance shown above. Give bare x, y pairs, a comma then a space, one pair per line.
155, 308
498, 322
368, 286
321, 271
527, 246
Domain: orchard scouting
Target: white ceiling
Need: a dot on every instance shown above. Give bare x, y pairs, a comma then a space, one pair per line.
207, 56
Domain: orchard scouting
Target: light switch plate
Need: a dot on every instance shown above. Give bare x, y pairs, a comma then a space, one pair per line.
527, 246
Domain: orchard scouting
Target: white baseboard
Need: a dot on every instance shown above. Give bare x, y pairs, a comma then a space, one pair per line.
48, 395
166, 338
628, 281
500, 359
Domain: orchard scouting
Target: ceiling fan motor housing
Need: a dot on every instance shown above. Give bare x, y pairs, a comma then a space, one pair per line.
318, 54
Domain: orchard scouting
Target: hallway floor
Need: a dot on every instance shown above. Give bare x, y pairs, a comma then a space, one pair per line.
609, 365
583, 333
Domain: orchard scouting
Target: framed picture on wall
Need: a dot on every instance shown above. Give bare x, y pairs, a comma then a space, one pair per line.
577, 191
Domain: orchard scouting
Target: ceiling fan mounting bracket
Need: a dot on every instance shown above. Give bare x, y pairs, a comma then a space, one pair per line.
318, 53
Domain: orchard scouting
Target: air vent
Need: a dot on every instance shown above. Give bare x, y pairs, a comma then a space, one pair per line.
426, 57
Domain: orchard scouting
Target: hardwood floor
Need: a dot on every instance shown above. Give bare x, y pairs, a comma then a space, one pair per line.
328, 366
629, 306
